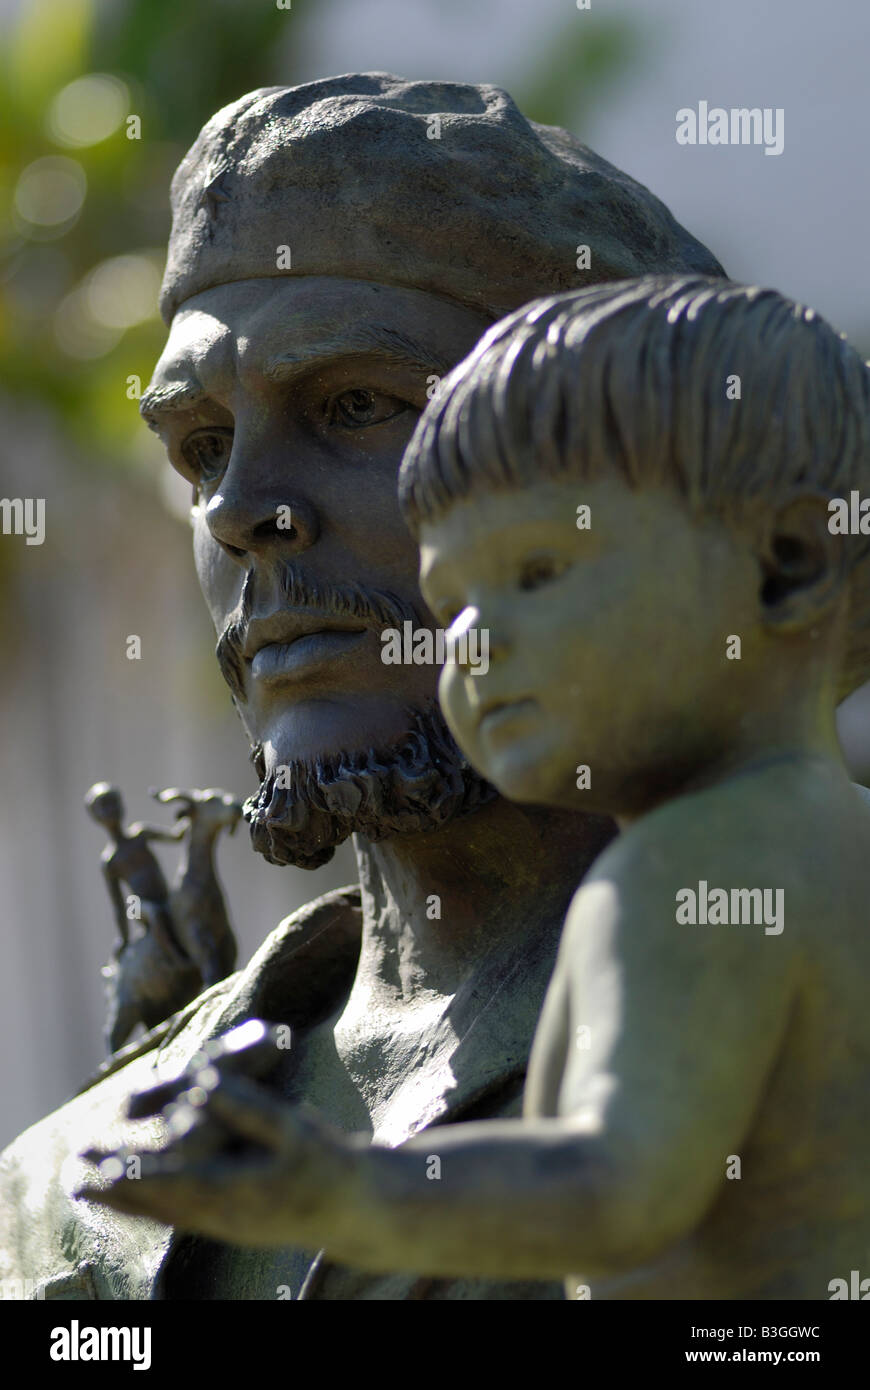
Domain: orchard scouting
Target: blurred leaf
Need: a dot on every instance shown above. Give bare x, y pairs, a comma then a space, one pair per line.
47, 50
585, 56
180, 61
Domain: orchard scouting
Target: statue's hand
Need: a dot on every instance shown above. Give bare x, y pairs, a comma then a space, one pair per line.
240, 1164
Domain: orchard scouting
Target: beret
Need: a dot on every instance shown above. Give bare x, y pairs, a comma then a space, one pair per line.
357, 178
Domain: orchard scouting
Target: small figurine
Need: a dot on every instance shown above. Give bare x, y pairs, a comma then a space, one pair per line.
172, 942
196, 900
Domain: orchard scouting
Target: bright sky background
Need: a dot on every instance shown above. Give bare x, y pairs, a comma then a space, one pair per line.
798, 221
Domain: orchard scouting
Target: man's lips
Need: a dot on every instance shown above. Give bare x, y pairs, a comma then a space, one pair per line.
278, 659
286, 642
288, 625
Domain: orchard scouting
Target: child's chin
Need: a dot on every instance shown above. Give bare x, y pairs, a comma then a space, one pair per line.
525, 781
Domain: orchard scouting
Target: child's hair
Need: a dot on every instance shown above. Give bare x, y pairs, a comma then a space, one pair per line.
639, 376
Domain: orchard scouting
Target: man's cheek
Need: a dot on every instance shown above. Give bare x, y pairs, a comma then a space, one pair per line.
219, 577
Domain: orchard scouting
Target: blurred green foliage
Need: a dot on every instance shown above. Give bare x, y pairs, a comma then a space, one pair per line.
172, 64
576, 64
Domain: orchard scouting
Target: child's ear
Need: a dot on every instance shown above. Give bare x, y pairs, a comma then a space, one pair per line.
805, 568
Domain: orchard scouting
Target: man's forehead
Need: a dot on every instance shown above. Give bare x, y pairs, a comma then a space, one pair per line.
275, 326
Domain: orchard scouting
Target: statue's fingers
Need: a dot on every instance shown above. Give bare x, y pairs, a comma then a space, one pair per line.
196, 1081
115, 1166
192, 1085
119, 1197
153, 1099
166, 1197
193, 1135
251, 1049
126, 1168
96, 1156
250, 1112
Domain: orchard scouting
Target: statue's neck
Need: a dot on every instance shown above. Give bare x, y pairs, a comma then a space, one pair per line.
435, 903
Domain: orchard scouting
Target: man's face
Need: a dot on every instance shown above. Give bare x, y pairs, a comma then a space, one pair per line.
287, 403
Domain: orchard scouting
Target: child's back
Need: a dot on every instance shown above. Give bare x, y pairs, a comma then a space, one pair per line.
722, 1039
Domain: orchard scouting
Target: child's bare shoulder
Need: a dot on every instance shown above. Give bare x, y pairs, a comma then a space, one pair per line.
788, 829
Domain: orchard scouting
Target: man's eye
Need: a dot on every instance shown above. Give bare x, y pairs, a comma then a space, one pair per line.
359, 407
540, 570
207, 451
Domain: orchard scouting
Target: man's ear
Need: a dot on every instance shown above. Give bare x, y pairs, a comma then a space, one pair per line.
805, 568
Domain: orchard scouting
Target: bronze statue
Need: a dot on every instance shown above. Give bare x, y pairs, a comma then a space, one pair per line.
196, 900
696, 1111
348, 262
183, 939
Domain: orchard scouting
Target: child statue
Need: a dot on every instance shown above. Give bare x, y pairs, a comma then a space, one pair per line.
628, 488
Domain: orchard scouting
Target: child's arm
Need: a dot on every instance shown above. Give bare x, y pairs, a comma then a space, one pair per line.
685, 1023
145, 832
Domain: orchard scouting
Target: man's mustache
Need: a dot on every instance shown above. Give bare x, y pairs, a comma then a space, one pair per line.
374, 608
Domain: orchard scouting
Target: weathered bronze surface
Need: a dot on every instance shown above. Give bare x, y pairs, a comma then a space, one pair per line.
695, 1122
331, 257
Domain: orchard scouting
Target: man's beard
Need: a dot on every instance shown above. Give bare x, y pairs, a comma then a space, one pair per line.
419, 783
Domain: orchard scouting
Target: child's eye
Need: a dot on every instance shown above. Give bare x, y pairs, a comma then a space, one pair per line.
540, 570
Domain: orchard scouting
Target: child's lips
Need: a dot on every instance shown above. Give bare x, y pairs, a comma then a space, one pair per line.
503, 711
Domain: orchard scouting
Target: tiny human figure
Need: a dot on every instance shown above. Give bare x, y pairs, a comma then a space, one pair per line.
129, 860
186, 942
196, 899
696, 1120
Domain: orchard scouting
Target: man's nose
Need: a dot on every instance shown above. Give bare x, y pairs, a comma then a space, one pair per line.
252, 513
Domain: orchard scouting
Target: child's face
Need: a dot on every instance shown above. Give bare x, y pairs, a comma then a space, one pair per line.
607, 645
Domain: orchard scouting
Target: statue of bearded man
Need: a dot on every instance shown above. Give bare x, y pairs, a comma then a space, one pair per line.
336, 248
